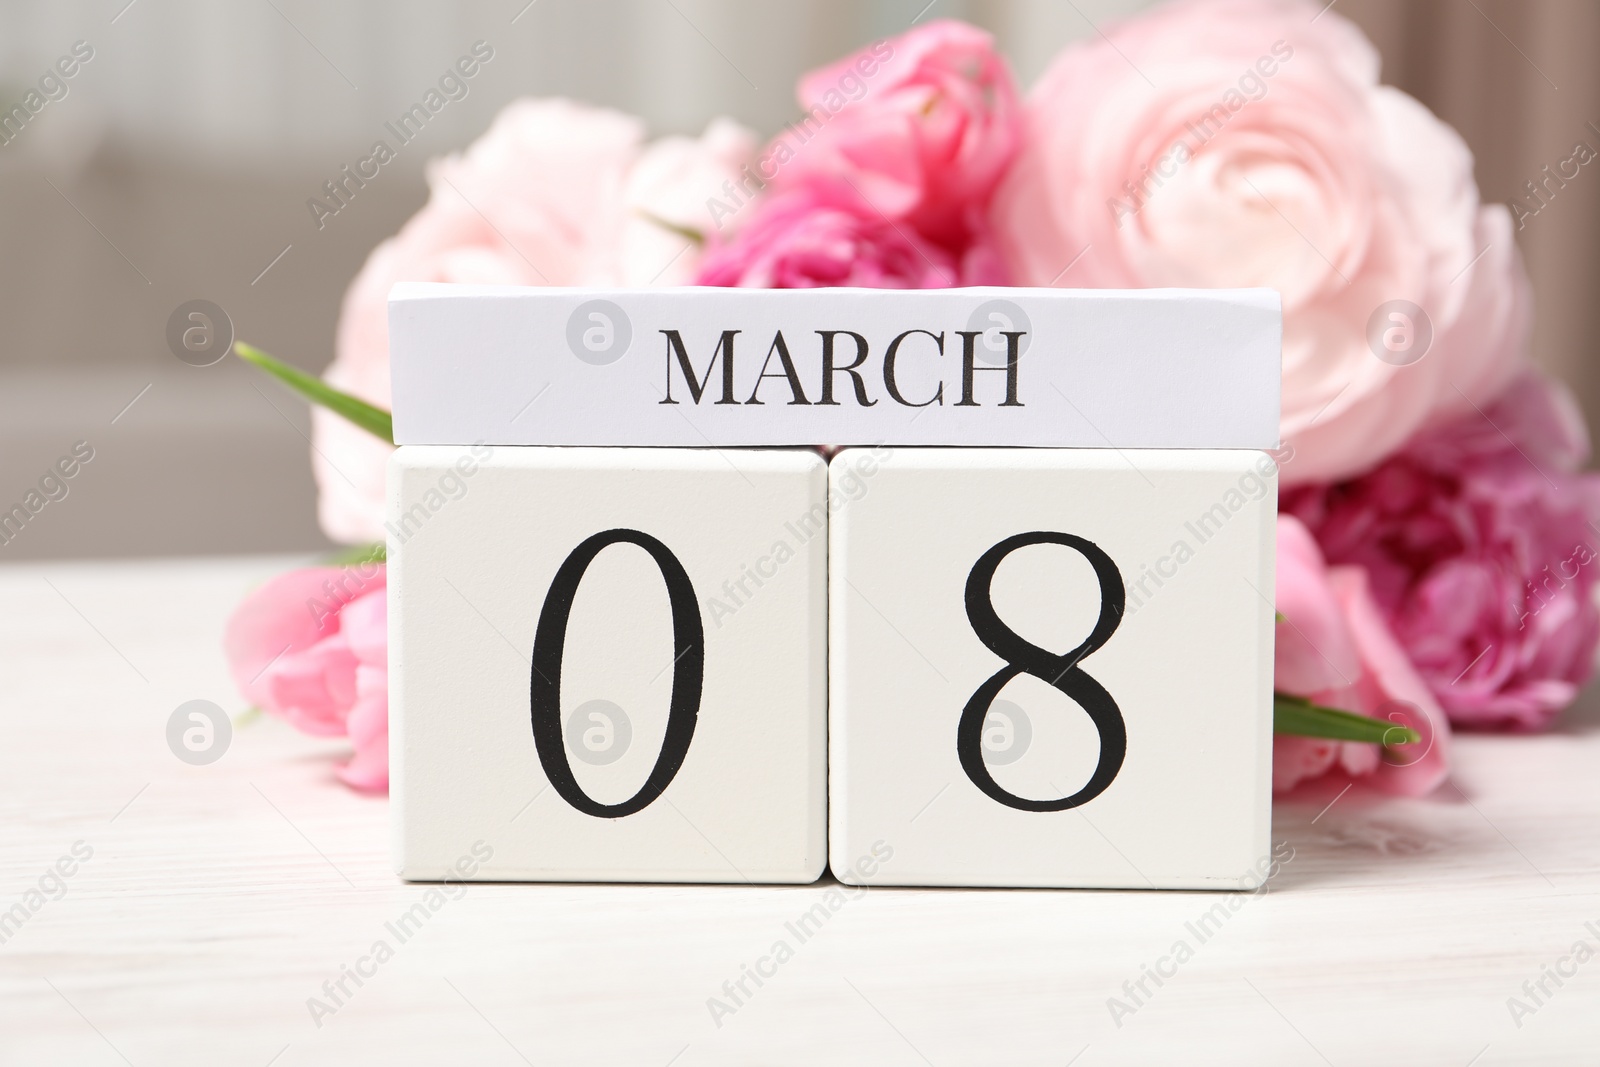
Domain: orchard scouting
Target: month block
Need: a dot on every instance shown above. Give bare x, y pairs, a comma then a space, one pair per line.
1051, 667
608, 664
731, 367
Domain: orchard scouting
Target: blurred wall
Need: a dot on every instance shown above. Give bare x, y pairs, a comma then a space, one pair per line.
178, 163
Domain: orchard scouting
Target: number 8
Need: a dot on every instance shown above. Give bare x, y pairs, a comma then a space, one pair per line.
1061, 672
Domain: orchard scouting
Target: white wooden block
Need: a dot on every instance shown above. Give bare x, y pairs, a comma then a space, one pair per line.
692, 366
997, 718
571, 629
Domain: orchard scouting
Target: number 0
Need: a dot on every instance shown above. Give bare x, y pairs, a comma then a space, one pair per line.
688, 674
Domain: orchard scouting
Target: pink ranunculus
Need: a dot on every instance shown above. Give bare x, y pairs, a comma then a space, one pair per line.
311, 646
555, 193
1223, 143
1335, 649
1481, 538
800, 241
921, 126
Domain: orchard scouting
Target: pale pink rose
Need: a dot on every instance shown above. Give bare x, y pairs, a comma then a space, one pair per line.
1224, 143
555, 193
1480, 538
1335, 649
311, 646
922, 126
801, 241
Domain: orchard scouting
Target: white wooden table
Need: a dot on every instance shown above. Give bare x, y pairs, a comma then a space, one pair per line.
219, 899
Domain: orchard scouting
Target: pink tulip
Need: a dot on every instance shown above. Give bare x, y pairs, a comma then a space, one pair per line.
311, 646
1335, 649
922, 126
800, 241
886, 178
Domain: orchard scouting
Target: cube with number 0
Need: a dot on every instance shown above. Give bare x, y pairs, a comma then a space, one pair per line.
608, 664
1052, 667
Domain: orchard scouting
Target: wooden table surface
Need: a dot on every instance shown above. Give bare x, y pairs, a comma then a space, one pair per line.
218, 900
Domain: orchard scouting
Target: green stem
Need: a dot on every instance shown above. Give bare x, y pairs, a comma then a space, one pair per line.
687, 232
374, 420
1298, 716
357, 554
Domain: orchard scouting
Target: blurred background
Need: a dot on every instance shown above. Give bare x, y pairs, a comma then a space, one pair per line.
178, 163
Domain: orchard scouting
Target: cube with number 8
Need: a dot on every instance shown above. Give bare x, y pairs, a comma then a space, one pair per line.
608, 664
1053, 667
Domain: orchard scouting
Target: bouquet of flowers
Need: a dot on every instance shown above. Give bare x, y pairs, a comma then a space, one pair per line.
1436, 536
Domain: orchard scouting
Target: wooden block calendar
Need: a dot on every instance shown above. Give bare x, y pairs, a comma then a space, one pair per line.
1020, 634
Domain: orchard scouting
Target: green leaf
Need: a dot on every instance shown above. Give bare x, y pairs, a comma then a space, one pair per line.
349, 557
247, 717
1295, 715
374, 420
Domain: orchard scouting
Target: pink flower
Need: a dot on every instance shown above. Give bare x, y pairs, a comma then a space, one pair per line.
1248, 143
1480, 541
922, 126
799, 241
886, 179
554, 193
312, 646
1334, 648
